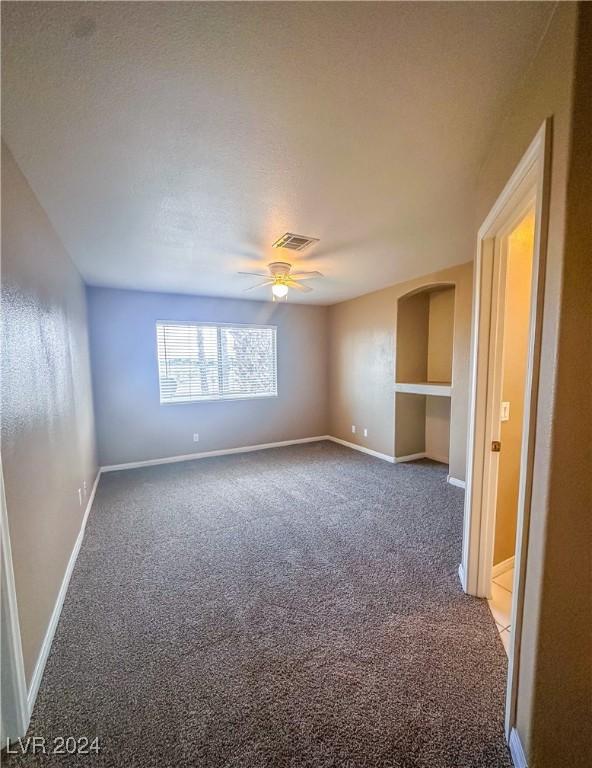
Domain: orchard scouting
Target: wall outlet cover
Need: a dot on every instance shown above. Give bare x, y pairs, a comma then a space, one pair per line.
196, 437
353, 429
365, 432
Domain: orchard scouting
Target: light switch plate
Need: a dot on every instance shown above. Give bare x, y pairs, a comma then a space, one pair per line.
505, 411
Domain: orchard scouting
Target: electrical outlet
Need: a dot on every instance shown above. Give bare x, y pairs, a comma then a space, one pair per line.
84, 486
196, 437
353, 429
365, 432
80, 496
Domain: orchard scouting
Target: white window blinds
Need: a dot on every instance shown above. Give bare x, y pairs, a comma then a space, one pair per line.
214, 362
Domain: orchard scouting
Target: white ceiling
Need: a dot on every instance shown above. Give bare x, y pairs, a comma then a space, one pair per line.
171, 143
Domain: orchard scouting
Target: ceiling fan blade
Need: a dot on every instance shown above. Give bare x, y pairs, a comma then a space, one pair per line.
305, 275
257, 274
259, 285
297, 286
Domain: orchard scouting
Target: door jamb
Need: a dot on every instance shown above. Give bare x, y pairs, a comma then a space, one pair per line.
529, 183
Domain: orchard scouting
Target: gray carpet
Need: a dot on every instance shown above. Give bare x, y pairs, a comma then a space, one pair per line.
292, 607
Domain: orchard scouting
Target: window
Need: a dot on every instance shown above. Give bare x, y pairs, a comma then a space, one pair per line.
215, 362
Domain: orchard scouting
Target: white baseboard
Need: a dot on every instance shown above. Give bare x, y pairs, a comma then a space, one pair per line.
410, 457
55, 616
461, 576
248, 449
456, 482
516, 750
208, 454
502, 567
361, 448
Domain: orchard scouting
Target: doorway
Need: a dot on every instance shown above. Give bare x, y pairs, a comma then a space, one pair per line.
505, 352
517, 251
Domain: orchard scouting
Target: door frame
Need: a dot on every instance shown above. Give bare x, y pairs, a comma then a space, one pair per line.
15, 714
528, 186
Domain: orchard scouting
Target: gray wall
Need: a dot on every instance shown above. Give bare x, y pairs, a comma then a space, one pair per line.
48, 448
131, 423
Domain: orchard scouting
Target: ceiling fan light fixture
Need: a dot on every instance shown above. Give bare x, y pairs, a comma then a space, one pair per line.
281, 278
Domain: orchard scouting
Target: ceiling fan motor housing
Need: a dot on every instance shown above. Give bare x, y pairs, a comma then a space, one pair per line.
279, 268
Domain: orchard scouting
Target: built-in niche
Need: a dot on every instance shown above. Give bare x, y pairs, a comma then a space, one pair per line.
423, 372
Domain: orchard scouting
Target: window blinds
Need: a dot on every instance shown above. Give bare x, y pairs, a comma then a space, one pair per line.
215, 362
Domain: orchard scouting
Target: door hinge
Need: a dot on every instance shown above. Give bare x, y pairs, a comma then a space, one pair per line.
496, 446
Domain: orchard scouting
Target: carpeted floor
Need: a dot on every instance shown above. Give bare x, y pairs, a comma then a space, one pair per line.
292, 607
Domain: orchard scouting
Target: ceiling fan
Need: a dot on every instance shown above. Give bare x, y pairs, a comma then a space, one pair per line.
281, 279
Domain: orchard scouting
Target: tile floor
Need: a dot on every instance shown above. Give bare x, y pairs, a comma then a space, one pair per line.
500, 605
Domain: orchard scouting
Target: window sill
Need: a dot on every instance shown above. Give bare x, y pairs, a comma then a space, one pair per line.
219, 400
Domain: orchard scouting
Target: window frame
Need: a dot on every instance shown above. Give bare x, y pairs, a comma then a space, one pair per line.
217, 398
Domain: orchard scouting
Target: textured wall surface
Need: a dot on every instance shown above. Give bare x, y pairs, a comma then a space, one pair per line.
131, 423
413, 316
48, 447
562, 702
441, 335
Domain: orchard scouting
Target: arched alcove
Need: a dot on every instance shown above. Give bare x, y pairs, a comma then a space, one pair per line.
423, 372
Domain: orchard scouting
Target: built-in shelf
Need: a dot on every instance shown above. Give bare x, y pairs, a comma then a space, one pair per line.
439, 389
424, 348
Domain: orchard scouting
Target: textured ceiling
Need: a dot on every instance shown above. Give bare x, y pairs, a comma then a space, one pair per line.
172, 143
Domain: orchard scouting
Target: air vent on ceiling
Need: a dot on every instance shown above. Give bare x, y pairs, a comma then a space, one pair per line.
295, 242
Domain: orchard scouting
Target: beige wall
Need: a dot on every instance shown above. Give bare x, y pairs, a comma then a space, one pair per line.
362, 367
441, 335
437, 428
132, 425
516, 334
47, 419
440, 356
361, 370
410, 420
412, 312
553, 705
563, 685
